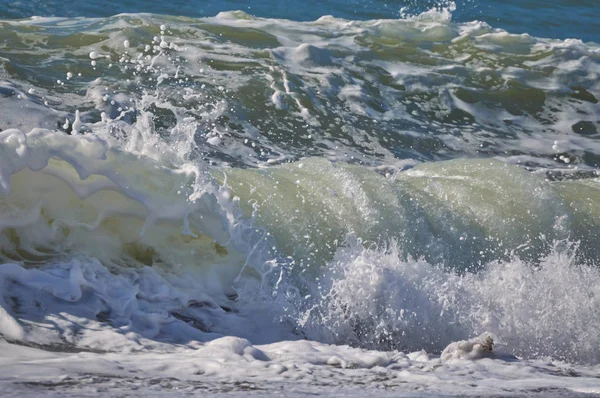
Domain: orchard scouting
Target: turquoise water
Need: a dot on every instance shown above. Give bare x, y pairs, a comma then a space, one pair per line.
557, 19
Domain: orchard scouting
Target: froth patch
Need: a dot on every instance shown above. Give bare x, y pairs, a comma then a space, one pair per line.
476, 348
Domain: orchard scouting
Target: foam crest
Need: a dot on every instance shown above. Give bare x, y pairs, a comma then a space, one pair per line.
442, 12
77, 194
124, 245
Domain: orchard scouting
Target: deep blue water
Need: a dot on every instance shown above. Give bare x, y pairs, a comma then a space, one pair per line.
542, 18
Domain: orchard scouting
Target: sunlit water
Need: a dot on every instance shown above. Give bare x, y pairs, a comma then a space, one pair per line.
320, 198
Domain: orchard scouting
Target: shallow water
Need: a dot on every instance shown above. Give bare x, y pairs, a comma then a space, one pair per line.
230, 201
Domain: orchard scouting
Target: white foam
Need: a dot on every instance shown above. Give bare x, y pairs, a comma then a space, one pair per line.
477, 348
237, 367
548, 310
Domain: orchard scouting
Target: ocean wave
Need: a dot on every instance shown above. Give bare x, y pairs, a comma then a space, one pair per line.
154, 252
256, 91
389, 184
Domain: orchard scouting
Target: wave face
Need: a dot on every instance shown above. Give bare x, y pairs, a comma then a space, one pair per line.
387, 184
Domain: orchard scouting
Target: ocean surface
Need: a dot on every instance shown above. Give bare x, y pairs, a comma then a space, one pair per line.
285, 198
